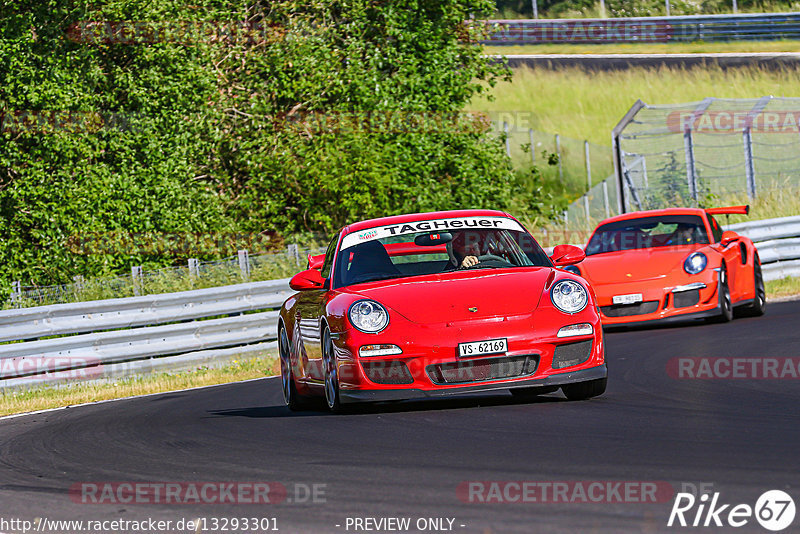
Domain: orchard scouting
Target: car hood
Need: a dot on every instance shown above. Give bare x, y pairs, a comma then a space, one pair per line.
631, 265
449, 296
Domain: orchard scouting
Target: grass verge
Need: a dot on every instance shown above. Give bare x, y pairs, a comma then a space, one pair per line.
783, 288
79, 393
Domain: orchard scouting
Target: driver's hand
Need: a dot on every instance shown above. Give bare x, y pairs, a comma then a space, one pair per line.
469, 261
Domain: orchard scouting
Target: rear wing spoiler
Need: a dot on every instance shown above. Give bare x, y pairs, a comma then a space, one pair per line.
730, 210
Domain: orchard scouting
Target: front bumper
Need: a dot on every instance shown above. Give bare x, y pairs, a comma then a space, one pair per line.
429, 365
660, 304
559, 379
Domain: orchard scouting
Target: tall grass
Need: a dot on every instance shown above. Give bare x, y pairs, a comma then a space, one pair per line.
587, 105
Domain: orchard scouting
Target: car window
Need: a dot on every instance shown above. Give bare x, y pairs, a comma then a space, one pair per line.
716, 229
648, 232
330, 252
400, 251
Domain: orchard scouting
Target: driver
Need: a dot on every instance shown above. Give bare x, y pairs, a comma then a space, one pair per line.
463, 249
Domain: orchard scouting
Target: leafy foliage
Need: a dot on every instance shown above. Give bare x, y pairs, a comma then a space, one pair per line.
212, 132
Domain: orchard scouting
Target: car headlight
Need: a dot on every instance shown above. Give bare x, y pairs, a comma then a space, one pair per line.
695, 263
368, 316
569, 296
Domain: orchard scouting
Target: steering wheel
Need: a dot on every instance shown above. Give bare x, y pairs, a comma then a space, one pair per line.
487, 257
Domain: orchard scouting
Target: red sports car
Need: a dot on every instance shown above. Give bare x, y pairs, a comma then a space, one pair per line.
437, 304
670, 265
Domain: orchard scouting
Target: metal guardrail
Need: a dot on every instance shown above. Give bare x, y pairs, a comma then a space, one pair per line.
94, 316
778, 244
708, 28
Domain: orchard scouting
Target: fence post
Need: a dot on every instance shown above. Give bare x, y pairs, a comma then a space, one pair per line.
138, 280
749, 168
588, 164
667, 4
602, 9
194, 268
533, 147
535, 4
16, 293
508, 143
293, 250
558, 155
735, 6
605, 199
586, 209
77, 284
691, 175
244, 264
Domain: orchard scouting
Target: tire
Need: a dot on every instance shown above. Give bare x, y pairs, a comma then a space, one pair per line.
759, 305
725, 303
585, 390
294, 401
530, 393
332, 398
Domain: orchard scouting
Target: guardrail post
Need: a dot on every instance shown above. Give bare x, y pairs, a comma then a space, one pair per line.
533, 147
508, 143
138, 280
749, 168
558, 154
691, 173
16, 294
244, 264
194, 268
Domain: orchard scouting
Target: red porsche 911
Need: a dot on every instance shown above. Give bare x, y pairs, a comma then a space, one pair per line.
437, 304
672, 265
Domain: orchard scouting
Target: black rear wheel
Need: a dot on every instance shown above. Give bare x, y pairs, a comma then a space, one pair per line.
759, 305
294, 401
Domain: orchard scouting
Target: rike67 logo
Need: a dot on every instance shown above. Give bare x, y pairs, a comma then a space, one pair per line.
774, 510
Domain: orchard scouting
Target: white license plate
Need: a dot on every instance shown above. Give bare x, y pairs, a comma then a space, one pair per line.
633, 298
480, 348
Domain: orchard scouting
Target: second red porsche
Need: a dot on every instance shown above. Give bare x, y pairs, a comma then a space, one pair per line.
672, 265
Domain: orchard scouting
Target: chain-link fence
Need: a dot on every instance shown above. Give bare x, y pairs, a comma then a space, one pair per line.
707, 152
195, 275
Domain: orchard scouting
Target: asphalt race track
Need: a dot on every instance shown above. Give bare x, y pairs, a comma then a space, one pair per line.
738, 437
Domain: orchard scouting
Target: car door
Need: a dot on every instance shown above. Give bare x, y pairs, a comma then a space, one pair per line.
310, 310
731, 254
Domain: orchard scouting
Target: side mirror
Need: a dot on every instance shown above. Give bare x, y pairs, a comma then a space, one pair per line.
308, 279
316, 262
728, 237
567, 255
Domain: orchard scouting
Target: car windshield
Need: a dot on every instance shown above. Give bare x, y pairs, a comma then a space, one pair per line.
429, 247
648, 232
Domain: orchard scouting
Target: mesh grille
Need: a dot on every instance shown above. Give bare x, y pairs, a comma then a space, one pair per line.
686, 298
387, 372
572, 354
479, 370
624, 310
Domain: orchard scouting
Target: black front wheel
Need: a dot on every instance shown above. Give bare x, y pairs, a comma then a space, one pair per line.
725, 304
585, 390
332, 398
